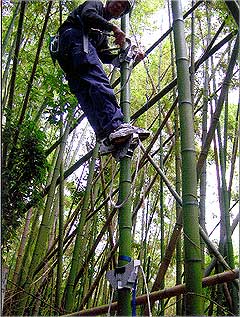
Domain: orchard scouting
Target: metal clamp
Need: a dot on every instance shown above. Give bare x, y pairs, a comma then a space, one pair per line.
124, 276
54, 44
128, 53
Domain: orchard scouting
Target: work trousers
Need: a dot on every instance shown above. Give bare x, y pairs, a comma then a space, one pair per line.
88, 81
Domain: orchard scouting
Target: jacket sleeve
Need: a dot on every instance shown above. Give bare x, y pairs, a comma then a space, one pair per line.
92, 16
105, 56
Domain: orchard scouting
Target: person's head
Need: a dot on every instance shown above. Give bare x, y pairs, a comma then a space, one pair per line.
117, 8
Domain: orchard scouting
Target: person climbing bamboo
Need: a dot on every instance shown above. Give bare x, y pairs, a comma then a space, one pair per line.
82, 50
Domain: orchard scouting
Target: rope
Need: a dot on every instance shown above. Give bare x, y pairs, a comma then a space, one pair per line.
110, 303
147, 291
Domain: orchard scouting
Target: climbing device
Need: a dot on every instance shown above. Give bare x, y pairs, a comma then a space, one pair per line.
126, 277
126, 54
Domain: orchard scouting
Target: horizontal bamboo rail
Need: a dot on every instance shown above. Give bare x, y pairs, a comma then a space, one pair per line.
220, 278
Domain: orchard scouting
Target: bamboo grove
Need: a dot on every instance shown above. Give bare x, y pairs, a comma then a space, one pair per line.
69, 216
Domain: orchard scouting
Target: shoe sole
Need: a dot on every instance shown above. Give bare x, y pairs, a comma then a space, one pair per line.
121, 140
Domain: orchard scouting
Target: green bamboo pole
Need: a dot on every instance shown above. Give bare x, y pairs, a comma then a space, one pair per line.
228, 250
179, 259
22, 246
29, 88
28, 249
161, 184
125, 216
234, 150
12, 83
40, 247
10, 29
203, 177
104, 267
60, 233
6, 75
76, 259
19, 259
193, 274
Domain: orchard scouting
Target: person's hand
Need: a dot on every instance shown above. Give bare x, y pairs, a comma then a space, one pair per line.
119, 35
137, 53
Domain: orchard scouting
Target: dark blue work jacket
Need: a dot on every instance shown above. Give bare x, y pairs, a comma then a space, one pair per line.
91, 15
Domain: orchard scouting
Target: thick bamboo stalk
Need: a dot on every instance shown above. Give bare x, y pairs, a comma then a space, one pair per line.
190, 208
125, 216
178, 226
179, 256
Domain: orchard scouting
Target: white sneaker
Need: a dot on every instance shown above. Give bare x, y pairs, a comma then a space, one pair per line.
125, 131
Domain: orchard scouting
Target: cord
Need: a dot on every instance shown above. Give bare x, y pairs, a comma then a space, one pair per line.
146, 287
110, 304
